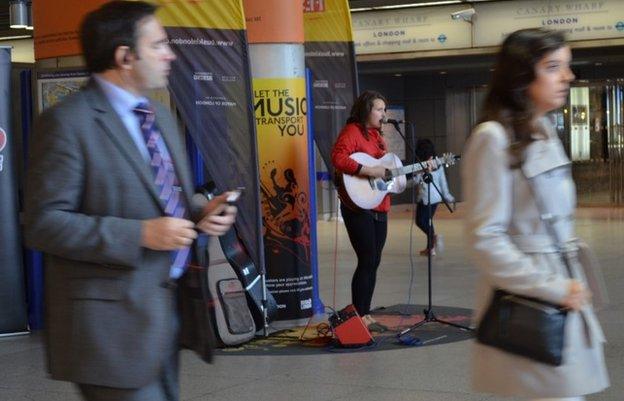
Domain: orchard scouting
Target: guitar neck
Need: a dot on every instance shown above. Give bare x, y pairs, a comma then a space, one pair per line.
412, 168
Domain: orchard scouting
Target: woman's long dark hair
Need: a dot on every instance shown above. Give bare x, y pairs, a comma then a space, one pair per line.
507, 100
362, 108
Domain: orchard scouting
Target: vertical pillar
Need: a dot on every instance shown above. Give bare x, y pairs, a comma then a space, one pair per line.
276, 37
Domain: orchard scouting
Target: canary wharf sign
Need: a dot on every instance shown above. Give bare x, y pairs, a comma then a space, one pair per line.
580, 20
412, 29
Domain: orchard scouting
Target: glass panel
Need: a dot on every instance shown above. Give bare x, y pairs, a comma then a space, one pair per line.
591, 127
592, 133
579, 121
615, 141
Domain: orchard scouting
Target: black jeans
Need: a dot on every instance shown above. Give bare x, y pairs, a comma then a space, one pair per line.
367, 232
422, 220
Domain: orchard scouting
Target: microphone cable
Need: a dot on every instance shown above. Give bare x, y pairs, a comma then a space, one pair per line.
405, 312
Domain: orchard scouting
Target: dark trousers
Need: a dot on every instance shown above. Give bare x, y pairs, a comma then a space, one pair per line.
422, 220
367, 232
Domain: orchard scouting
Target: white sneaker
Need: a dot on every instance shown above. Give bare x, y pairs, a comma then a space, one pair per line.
439, 243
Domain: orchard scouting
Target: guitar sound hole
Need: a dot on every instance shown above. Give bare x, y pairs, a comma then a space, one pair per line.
381, 185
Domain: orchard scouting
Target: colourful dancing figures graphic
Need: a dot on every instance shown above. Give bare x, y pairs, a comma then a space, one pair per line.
286, 220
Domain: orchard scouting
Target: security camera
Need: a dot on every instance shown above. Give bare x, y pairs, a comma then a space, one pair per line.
466, 14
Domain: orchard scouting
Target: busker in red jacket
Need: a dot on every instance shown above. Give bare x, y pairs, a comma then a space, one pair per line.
366, 228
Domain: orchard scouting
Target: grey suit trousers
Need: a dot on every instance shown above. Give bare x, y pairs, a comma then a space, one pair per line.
165, 387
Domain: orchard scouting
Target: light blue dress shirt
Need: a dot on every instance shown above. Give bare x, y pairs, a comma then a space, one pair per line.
123, 103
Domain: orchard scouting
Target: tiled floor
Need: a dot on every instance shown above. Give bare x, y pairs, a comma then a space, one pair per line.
434, 373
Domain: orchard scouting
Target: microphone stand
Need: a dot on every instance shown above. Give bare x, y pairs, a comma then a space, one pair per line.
429, 315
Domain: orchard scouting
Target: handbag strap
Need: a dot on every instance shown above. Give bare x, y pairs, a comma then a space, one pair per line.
549, 219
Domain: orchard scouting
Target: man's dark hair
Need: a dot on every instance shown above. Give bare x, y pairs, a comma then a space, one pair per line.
425, 149
114, 24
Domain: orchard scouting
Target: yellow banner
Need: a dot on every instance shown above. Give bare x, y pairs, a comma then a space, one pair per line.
211, 14
280, 109
327, 21
57, 27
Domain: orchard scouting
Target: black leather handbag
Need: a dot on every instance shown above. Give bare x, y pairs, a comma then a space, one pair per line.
524, 326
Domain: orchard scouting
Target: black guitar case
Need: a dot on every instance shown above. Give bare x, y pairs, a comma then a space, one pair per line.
233, 250
232, 316
238, 257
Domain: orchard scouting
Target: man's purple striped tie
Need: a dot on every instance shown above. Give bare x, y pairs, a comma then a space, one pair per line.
165, 178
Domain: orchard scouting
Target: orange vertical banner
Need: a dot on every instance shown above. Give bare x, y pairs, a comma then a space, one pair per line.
57, 26
274, 21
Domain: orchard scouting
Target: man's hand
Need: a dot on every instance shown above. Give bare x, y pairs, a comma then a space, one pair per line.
217, 215
218, 220
167, 233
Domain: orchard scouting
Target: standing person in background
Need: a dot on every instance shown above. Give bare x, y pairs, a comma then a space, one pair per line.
367, 229
109, 202
520, 203
425, 151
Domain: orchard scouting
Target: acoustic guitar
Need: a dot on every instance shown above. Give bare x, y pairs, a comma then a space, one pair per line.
368, 192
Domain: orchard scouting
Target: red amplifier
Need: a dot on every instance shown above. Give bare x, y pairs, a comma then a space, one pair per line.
349, 329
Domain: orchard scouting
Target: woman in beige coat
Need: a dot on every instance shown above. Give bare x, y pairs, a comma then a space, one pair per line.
514, 162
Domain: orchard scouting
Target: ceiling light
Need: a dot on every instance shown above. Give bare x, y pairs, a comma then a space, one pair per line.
29, 25
391, 7
15, 37
18, 14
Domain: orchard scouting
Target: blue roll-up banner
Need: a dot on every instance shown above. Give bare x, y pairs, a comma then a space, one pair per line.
13, 316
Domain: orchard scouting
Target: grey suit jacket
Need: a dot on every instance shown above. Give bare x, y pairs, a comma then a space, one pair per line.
109, 321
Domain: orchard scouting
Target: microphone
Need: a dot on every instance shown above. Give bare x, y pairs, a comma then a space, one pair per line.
392, 121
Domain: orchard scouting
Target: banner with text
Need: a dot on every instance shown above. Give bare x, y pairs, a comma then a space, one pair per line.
281, 119
580, 20
210, 84
13, 315
330, 56
411, 29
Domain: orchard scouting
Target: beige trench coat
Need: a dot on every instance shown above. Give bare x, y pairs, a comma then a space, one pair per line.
513, 250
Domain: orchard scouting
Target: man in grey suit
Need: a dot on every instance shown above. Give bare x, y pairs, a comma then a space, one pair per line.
109, 202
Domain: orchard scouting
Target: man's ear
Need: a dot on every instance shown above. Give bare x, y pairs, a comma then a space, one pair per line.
123, 56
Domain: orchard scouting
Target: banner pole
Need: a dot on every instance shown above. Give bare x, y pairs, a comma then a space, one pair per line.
317, 304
